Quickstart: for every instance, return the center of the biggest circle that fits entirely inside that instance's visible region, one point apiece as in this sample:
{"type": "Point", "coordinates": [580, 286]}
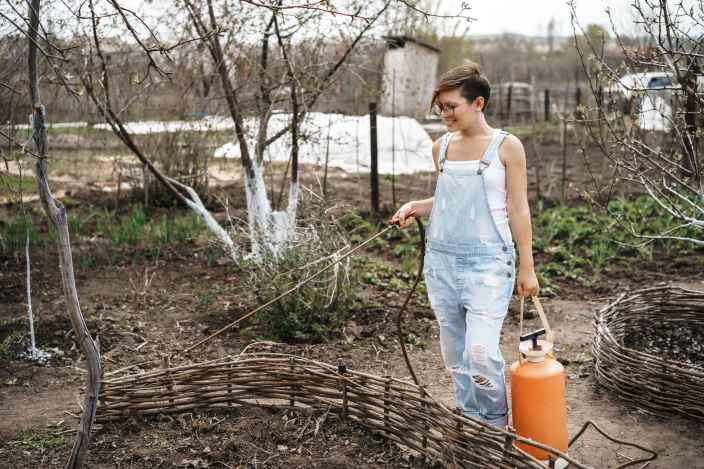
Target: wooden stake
{"type": "Point", "coordinates": [374, 173]}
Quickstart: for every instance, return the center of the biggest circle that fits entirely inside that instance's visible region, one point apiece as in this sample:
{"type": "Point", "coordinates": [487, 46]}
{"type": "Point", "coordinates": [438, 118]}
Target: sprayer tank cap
{"type": "Point", "coordinates": [535, 355]}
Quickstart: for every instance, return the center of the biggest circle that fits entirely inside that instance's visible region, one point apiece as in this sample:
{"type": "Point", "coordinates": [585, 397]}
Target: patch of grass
{"type": "Point", "coordinates": [69, 202]}
{"type": "Point", "coordinates": [125, 231]}
{"type": "Point", "coordinates": [31, 439]}
{"type": "Point", "coordinates": [13, 233]}
{"type": "Point", "coordinates": [170, 230]}
{"type": "Point", "coordinates": [212, 254]}
{"type": "Point", "coordinates": [542, 127]}
{"type": "Point", "coordinates": [135, 235]}
{"type": "Point", "coordinates": [520, 131]}
{"type": "Point", "coordinates": [75, 226]}
{"type": "Point", "coordinates": [11, 184]}
{"type": "Point", "coordinates": [136, 229]}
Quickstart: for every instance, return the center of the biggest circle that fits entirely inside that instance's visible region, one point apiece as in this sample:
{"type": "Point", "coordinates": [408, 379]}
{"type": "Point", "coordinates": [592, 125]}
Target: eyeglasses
{"type": "Point", "coordinates": [449, 109]}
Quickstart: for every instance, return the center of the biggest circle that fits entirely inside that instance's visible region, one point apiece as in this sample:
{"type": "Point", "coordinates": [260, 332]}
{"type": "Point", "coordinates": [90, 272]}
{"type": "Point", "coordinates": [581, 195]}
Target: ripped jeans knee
{"type": "Point", "coordinates": [477, 371]}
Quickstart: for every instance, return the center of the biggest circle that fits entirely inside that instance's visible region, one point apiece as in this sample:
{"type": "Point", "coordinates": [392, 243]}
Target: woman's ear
{"type": "Point", "coordinates": [479, 103]}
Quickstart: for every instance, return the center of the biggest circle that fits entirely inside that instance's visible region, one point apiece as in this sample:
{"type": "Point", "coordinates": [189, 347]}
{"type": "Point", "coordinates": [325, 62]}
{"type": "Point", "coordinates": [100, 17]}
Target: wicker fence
{"type": "Point", "coordinates": [402, 412]}
{"type": "Point", "coordinates": [653, 383]}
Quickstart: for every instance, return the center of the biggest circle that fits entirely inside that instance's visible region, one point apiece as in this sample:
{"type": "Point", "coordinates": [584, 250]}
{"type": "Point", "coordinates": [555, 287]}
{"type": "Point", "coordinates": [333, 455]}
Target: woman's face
{"type": "Point", "coordinates": [456, 111]}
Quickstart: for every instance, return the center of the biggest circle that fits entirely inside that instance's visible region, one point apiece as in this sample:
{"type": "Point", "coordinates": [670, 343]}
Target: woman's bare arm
{"type": "Point", "coordinates": [513, 157]}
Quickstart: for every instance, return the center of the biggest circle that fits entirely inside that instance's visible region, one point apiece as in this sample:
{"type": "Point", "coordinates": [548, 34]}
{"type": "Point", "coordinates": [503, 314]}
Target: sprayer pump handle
{"type": "Point", "coordinates": [533, 336]}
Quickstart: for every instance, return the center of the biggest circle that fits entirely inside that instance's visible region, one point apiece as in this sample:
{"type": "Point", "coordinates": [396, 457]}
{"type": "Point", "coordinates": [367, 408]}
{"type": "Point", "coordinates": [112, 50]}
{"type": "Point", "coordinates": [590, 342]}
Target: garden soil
{"type": "Point", "coordinates": [141, 311]}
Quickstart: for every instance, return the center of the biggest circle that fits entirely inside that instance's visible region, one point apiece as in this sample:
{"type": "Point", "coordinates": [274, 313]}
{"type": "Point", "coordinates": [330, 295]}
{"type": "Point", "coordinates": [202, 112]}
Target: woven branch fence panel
{"type": "Point", "coordinates": [400, 411]}
{"type": "Point", "coordinates": [655, 384]}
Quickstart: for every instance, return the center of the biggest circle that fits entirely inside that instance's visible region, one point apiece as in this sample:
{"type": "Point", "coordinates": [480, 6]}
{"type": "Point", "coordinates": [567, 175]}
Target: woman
{"type": "Point", "coordinates": [470, 259]}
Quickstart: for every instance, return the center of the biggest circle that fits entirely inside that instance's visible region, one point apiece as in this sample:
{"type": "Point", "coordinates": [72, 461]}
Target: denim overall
{"type": "Point", "coordinates": [469, 273]}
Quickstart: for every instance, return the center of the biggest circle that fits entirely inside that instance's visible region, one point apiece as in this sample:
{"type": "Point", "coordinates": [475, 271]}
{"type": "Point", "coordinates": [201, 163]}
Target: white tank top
{"type": "Point", "coordinates": [495, 180]}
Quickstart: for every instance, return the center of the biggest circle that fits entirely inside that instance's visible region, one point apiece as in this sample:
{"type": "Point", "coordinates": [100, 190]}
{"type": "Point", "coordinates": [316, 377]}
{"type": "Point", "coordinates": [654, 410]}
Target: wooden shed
{"type": "Point", "coordinates": [409, 77]}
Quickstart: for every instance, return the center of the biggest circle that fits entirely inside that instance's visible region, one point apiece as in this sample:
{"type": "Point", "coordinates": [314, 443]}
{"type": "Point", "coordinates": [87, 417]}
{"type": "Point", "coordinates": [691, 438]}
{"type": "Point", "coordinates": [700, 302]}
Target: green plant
{"type": "Point", "coordinates": [70, 202]}
{"type": "Point", "coordinates": [396, 284]}
{"type": "Point", "coordinates": [203, 297]}
{"type": "Point", "coordinates": [11, 344]}
{"type": "Point", "coordinates": [76, 225]}
{"type": "Point", "coordinates": [409, 265]}
{"type": "Point", "coordinates": [371, 278]}
{"type": "Point", "coordinates": [13, 233]}
{"type": "Point", "coordinates": [125, 231]}
{"type": "Point", "coordinates": [86, 261]}
{"type": "Point", "coordinates": [580, 241]}
{"type": "Point", "coordinates": [170, 230]}
{"type": "Point", "coordinates": [30, 439]}
{"type": "Point", "coordinates": [413, 341]}
{"type": "Point", "coordinates": [358, 228]}
{"type": "Point", "coordinates": [11, 185]}
{"type": "Point", "coordinates": [212, 254]}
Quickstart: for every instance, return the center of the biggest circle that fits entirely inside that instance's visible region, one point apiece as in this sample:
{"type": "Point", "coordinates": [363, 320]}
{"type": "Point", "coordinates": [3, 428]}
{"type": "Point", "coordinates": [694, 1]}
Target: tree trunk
{"type": "Point", "coordinates": [57, 214]}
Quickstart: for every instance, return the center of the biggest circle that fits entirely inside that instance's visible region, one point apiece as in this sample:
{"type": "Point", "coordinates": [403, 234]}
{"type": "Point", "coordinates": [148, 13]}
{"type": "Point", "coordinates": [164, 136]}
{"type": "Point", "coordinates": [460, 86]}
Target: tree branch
{"type": "Point", "coordinates": [327, 77]}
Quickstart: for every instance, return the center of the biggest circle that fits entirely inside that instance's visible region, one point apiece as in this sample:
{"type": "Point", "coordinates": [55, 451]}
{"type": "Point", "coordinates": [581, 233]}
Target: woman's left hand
{"type": "Point", "coordinates": [527, 282]}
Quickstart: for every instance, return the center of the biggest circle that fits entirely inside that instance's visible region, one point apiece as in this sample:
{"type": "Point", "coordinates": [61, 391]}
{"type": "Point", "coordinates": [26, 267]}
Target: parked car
{"type": "Point", "coordinates": [627, 93]}
{"type": "Point", "coordinates": [632, 83]}
{"type": "Point", "coordinates": [635, 83]}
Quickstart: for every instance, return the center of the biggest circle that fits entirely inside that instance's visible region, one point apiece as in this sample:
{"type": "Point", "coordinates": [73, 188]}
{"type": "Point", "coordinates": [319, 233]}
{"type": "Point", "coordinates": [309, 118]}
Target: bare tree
{"type": "Point", "coordinates": [270, 229]}
{"type": "Point", "coordinates": [647, 125]}
{"type": "Point", "coordinates": [57, 214]}
{"type": "Point", "coordinates": [251, 86]}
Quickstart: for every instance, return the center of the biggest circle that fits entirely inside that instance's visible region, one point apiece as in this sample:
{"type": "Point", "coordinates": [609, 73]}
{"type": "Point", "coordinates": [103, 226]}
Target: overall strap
{"type": "Point", "coordinates": [444, 143]}
{"type": "Point", "coordinates": [488, 157]}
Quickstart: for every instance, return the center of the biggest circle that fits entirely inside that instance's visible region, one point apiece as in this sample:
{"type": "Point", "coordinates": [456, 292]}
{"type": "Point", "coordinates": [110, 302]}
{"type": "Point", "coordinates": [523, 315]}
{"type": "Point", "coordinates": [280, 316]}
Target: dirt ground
{"type": "Point", "coordinates": [138, 320]}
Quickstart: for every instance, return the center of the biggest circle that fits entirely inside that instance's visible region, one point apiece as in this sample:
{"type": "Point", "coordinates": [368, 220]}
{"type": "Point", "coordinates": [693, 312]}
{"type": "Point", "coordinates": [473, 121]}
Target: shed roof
{"type": "Point", "coordinates": [394, 42]}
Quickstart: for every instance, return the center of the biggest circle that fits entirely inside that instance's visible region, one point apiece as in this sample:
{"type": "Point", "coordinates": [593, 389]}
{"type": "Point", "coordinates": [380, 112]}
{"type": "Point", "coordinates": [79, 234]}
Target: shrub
{"type": "Point", "coordinates": [310, 313]}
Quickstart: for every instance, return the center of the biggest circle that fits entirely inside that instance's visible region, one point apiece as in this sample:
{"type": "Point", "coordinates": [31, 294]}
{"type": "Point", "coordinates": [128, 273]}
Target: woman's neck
{"type": "Point", "coordinates": [480, 127]}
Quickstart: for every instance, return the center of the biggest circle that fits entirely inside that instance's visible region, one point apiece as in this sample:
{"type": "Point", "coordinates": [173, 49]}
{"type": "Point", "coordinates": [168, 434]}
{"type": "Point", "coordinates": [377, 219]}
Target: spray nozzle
{"type": "Point", "coordinates": [533, 337]}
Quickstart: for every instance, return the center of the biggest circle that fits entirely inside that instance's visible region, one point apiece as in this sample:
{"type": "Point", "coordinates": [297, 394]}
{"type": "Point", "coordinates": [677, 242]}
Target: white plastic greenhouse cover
{"type": "Point", "coordinates": [349, 143]}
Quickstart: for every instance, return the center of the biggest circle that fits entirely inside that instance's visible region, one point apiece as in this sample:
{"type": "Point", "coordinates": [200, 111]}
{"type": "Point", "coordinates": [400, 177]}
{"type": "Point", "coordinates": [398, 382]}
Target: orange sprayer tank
{"type": "Point", "coordinates": [538, 401]}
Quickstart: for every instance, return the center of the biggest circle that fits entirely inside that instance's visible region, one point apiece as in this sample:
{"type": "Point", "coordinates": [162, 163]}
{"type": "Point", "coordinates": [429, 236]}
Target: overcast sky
{"type": "Point", "coordinates": [532, 16]}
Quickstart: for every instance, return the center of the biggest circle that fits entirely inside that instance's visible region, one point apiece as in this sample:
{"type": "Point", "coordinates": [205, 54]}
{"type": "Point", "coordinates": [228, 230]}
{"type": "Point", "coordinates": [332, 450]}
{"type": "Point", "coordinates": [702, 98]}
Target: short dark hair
{"type": "Point", "coordinates": [468, 78]}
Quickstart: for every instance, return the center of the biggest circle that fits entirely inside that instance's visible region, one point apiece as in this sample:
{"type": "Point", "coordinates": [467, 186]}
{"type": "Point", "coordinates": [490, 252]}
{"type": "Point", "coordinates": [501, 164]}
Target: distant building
{"type": "Point", "coordinates": [409, 76]}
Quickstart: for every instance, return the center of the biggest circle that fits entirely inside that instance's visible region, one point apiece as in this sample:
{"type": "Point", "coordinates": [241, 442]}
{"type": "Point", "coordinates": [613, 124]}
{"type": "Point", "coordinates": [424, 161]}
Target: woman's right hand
{"type": "Point", "coordinates": [404, 216]}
